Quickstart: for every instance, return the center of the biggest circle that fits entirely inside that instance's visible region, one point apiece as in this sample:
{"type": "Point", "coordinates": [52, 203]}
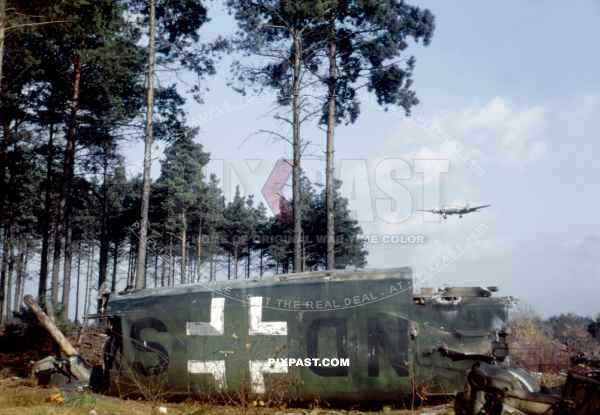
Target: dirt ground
{"type": "Point", "coordinates": [20, 397]}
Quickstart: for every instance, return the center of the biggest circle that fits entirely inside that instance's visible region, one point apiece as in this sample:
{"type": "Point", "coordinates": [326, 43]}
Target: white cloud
{"type": "Point", "coordinates": [493, 113]}
{"type": "Point", "coordinates": [499, 130]}
{"type": "Point", "coordinates": [537, 151]}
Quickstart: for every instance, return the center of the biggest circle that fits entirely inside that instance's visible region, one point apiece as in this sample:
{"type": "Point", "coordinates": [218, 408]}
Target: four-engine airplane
{"type": "Point", "coordinates": [444, 211]}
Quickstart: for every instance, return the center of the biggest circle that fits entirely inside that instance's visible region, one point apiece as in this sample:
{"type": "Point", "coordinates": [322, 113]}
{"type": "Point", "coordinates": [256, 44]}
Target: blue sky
{"type": "Point", "coordinates": [516, 83]}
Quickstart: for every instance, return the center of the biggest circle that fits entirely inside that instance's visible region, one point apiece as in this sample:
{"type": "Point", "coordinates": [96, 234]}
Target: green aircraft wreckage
{"type": "Point", "coordinates": [345, 335]}
{"type": "Point", "coordinates": [334, 336]}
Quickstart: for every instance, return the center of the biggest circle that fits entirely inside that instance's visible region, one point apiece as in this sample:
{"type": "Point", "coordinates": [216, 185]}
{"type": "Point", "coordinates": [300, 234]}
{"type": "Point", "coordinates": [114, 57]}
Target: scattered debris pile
{"type": "Point", "coordinates": [72, 365]}
{"type": "Point", "coordinates": [28, 344]}
{"type": "Point", "coordinates": [495, 389]}
{"type": "Point", "coordinates": [22, 342]}
{"type": "Point", "coordinates": [89, 341]}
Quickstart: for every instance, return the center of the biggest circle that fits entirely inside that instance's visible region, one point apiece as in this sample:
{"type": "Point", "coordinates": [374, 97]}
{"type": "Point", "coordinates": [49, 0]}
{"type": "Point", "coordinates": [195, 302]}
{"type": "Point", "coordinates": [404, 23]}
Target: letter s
{"type": "Point", "coordinates": [161, 353]}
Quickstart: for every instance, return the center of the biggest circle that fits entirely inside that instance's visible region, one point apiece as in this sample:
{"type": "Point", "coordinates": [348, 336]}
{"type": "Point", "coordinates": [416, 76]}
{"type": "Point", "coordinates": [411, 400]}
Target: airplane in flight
{"type": "Point", "coordinates": [444, 211]}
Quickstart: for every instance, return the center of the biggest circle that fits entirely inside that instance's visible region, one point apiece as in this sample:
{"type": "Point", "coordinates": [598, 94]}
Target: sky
{"type": "Point", "coordinates": [515, 86]}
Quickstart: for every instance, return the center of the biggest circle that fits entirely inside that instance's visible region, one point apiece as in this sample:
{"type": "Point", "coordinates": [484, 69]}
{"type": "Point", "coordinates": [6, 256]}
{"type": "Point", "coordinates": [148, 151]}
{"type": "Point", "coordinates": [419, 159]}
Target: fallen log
{"type": "Point", "coordinates": [77, 366]}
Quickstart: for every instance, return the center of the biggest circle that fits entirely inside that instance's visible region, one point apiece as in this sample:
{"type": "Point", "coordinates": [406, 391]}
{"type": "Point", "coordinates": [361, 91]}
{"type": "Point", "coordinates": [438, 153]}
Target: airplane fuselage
{"type": "Point", "coordinates": [224, 337]}
{"type": "Point", "coordinates": [460, 211]}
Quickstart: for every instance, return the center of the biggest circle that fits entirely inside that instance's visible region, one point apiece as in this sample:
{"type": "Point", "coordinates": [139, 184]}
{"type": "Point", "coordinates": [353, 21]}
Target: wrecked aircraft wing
{"type": "Point", "coordinates": [224, 337]}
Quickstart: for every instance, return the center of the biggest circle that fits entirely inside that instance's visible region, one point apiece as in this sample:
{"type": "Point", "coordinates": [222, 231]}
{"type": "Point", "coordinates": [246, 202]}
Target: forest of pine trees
{"type": "Point", "coordinates": [77, 80]}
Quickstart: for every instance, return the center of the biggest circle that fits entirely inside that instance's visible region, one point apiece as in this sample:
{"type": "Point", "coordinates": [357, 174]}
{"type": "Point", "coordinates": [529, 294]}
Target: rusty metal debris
{"type": "Point", "coordinates": [495, 389]}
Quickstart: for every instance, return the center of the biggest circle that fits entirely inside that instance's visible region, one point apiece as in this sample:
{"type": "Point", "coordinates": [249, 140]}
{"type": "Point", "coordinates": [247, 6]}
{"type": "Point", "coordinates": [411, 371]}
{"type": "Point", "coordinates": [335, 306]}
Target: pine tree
{"type": "Point", "coordinates": [172, 29]}
{"type": "Point", "coordinates": [181, 183]}
{"type": "Point", "coordinates": [212, 219]}
{"type": "Point", "coordinates": [364, 44]}
{"type": "Point", "coordinates": [237, 230]}
{"type": "Point", "coordinates": [278, 31]}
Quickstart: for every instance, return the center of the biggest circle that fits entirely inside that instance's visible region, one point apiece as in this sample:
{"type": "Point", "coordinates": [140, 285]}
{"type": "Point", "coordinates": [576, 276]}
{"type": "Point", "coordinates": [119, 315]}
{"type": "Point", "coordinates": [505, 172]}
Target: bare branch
{"type": "Point", "coordinates": [280, 118]}
{"type": "Point", "coordinates": [275, 134]}
{"type": "Point", "coordinates": [34, 24]}
{"type": "Point", "coordinates": [310, 115]}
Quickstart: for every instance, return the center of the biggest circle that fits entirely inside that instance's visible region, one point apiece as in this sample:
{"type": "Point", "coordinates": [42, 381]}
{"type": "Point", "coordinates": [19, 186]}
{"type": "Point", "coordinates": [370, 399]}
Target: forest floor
{"type": "Point", "coordinates": [21, 397]}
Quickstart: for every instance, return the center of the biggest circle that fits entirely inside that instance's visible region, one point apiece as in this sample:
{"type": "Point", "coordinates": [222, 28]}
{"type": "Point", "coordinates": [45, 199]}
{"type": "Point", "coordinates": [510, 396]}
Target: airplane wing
{"type": "Point", "coordinates": [474, 208]}
{"type": "Point", "coordinates": [428, 210]}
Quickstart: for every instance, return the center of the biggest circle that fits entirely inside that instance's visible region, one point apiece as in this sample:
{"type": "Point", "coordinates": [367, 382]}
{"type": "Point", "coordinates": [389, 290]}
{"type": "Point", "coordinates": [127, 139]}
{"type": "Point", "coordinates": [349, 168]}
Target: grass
{"type": "Point", "coordinates": [20, 397]}
{"type": "Point", "coordinates": [28, 400]}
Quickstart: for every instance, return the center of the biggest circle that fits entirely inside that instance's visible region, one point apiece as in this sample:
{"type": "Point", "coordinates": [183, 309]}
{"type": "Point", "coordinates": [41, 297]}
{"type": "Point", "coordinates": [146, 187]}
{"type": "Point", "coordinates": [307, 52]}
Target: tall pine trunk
{"type": "Point", "coordinates": [248, 261]}
{"type": "Point", "coordinates": [262, 252]}
{"type": "Point", "coordinates": [140, 280]}
{"type": "Point", "coordinates": [171, 263]}
{"type": "Point", "coordinates": [88, 285]}
{"type": "Point", "coordinates": [296, 150]}
{"type": "Point", "coordinates": [113, 284]}
{"type": "Point", "coordinates": [67, 269]}
{"type": "Point", "coordinates": [66, 182]}
{"type": "Point", "coordinates": [9, 283]}
{"type": "Point", "coordinates": [78, 282]}
{"type": "Point", "coordinates": [198, 266]}
{"type": "Point", "coordinates": [8, 245]}
{"type": "Point", "coordinates": [228, 265]}
{"type": "Point", "coordinates": [6, 252]}
{"type": "Point", "coordinates": [236, 259]}
{"type": "Point", "coordinates": [131, 264]}
{"type": "Point", "coordinates": [155, 271]}
{"type": "Point", "coordinates": [2, 147]}
{"type": "Point", "coordinates": [211, 254]}
{"type": "Point", "coordinates": [183, 278]}
{"type": "Point", "coordinates": [24, 264]}
{"type": "Point", "coordinates": [21, 267]}
{"type": "Point", "coordinates": [104, 237]}
{"type": "Point", "coordinates": [8, 263]}
{"type": "Point", "coordinates": [329, 170]}
{"type": "Point", "coordinates": [211, 265]}
{"type": "Point", "coordinates": [2, 36]}
{"type": "Point", "coordinates": [46, 221]}
{"type": "Point", "coordinates": [163, 271]}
